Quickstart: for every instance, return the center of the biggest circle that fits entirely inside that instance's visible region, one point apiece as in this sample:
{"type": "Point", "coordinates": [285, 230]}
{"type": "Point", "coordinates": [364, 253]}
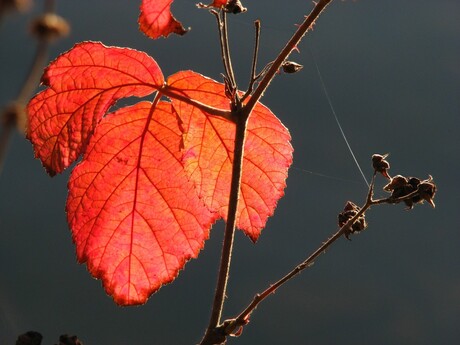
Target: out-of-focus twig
{"type": "Point", "coordinates": [46, 28]}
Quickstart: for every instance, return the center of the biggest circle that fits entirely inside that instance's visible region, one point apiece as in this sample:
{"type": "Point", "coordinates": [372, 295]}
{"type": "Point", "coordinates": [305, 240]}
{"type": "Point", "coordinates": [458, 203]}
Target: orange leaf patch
{"type": "Point", "coordinates": [83, 84]}
{"type": "Point", "coordinates": [208, 146]}
{"type": "Point", "coordinates": [135, 217]}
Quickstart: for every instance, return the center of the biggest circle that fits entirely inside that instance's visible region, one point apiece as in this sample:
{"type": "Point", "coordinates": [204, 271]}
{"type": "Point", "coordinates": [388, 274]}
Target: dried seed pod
{"type": "Point", "coordinates": [396, 182]}
{"type": "Point", "coordinates": [29, 338]}
{"type": "Point", "coordinates": [49, 26]}
{"type": "Point", "coordinates": [401, 186]}
{"type": "Point", "coordinates": [381, 165]}
{"type": "Point", "coordinates": [349, 211]}
{"type": "Point", "coordinates": [427, 190]}
{"type": "Point", "coordinates": [291, 67]}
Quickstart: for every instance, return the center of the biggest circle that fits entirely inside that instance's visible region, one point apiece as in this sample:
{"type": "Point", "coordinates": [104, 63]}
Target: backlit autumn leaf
{"type": "Point", "coordinates": [208, 153]}
{"type": "Point", "coordinates": [135, 217]}
{"type": "Point", "coordinates": [83, 84]}
{"type": "Point", "coordinates": [154, 176]}
{"type": "Point", "coordinates": [156, 20]}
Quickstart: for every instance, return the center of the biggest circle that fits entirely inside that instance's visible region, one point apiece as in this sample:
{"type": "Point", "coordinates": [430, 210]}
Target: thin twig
{"type": "Point", "coordinates": [228, 58]}
{"type": "Point", "coordinates": [221, 40]}
{"type": "Point", "coordinates": [254, 77]}
{"type": "Point", "coordinates": [232, 326]}
{"type": "Point", "coordinates": [36, 70]}
{"type": "Point", "coordinates": [242, 318]}
{"type": "Point", "coordinates": [229, 76]}
{"type": "Point", "coordinates": [17, 108]}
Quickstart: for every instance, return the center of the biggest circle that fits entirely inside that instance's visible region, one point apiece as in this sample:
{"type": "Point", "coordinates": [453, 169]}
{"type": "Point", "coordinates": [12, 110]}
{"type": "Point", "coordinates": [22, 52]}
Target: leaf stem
{"type": "Point", "coordinates": [172, 92]}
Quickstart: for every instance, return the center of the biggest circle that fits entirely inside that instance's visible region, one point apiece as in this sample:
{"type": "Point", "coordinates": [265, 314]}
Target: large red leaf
{"type": "Point", "coordinates": [83, 84]}
{"type": "Point", "coordinates": [156, 20]}
{"type": "Point", "coordinates": [135, 217]}
{"type": "Point", "coordinates": [208, 153]}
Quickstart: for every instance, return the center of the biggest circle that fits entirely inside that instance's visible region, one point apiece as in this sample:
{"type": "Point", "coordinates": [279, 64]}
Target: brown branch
{"type": "Point", "coordinates": [213, 335]}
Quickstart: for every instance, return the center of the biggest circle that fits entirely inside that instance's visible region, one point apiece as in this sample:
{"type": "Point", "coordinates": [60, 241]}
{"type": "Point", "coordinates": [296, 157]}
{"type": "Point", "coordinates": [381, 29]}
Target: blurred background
{"type": "Point", "coordinates": [392, 71]}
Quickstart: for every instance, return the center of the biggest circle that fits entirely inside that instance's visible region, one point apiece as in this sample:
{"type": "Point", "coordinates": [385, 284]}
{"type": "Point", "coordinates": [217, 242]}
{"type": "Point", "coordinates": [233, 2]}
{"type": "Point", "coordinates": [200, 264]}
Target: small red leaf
{"type": "Point", "coordinates": [134, 215]}
{"type": "Point", "coordinates": [208, 147]}
{"type": "Point", "coordinates": [156, 19]}
{"type": "Point", "coordinates": [83, 84]}
{"type": "Point", "coordinates": [218, 3]}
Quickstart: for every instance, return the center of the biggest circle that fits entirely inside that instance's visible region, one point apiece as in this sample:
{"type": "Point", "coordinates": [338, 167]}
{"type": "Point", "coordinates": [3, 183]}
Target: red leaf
{"type": "Point", "coordinates": [156, 19]}
{"type": "Point", "coordinates": [134, 215]}
{"type": "Point", "coordinates": [218, 3]}
{"type": "Point", "coordinates": [208, 147]}
{"type": "Point", "coordinates": [83, 84]}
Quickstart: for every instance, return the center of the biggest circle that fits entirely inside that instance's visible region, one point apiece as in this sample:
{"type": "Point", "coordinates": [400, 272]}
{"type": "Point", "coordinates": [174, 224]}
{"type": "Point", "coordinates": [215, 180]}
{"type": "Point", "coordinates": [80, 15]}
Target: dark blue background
{"type": "Point", "coordinates": [392, 70]}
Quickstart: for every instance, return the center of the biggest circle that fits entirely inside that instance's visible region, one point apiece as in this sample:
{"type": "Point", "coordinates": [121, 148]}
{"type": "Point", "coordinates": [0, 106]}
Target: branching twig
{"type": "Point", "coordinates": [235, 325]}
{"type": "Point", "coordinates": [215, 333]}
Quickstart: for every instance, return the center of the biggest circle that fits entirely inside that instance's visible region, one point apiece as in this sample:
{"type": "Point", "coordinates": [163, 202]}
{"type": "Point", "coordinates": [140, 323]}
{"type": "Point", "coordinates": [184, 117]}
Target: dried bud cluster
{"type": "Point", "coordinates": [410, 190]}
{"type": "Point", "coordinates": [401, 186]}
{"type": "Point", "coordinates": [291, 67]}
{"type": "Point", "coordinates": [14, 115]}
{"type": "Point", "coordinates": [29, 338]}
{"type": "Point", "coordinates": [381, 165]}
{"type": "Point", "coordinates": [349, 211]}
{"type": "Point", "coordinates": [49, 26]}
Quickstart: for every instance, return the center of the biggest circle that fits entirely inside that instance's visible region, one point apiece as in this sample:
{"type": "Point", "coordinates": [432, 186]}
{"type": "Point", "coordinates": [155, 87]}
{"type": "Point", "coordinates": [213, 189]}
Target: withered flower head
{"type": "Point", "coordinates": [49, 27]}
{"type": "Point", "coordinates": [427, 190]}
{"type": "Point", "coordinates": [396, 182]}
{"type": "Point", "coordinates": [349, 211]}
{"type": "Point", "coordinates": [380, 164]}
{"type": "Point", "coordinates": [419, 191]}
